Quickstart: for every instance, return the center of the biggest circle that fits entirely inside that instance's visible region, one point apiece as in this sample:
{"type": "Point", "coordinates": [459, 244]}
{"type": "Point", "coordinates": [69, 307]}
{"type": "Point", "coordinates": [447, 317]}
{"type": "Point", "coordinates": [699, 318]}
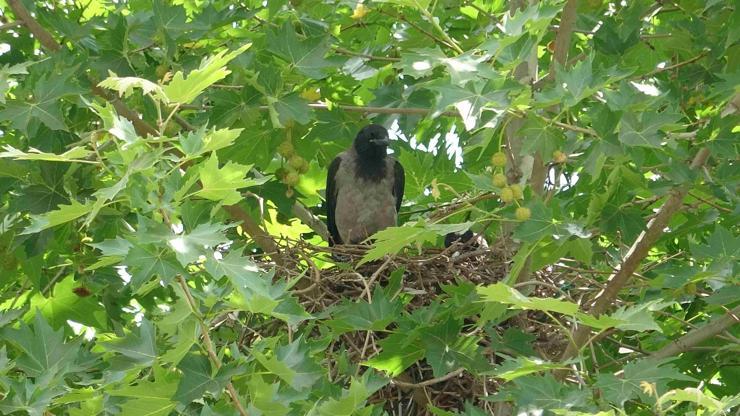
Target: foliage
{"type": "Point", "coordinates": [122, 257]}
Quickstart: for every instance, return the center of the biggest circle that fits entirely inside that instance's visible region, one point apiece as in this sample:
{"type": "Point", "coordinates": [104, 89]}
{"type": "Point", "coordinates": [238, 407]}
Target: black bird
{"type": "Point", "coordinates": [364, 188]}
{"type": "Point", "coordinates": [466, 239]}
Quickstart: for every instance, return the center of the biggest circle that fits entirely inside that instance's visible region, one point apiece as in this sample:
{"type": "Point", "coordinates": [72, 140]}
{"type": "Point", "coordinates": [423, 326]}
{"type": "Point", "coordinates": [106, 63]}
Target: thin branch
{"type": "Point", "coordinates": [428, 382]}
{"type": "Point", "coordinates": [314, 222]}
{"type": "Point", "coordinates": [710, 203]}
{"type": "Point", "coordinates": [417, 27]}
{"type": "Point", "coordinates": [44, 37]}
{"type": "Point", "coordinates": [697, 336]}
{"type": "Point", "coordinates": [11, 25]}
{"type": "Point", "coordinates": [209, 344]}
{"type": "Point", "coordinates": [639, 250]}
{"type": "Point", "coordinates": [671, 68]}
{"type": "Point", "coordinates": [343, 51]}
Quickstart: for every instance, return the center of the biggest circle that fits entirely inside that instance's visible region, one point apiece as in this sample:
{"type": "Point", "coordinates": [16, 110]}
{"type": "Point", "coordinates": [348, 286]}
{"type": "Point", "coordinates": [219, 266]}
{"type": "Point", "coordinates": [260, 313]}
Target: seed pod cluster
{"type": "Point", "coordinates": [293, 168]}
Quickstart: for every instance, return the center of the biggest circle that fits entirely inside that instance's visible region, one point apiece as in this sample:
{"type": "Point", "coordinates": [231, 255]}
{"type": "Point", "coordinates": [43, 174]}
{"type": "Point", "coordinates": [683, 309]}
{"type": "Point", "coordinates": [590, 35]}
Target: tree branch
{"type": "Point", "coordinates": [670, 68]}
{"type": "Point", "coordinates": [208, 344]}
{"type": "Point", "coordinates": [639, 250]}
{"type": "Point", "coordinates": [430, 381]}
{"type": "Point", "coordinates": [697, 336]}
{"type": "Point", "coordinates": [10, 25]}
{"type": "Point", "coordinates": [565, 32]}
{"type": "Point", "coordinates": [343, 51]}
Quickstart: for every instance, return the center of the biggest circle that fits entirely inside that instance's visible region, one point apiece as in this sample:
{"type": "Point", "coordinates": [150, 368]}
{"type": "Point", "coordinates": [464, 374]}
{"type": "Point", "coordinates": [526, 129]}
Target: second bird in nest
{"type": "Point", "coordinates": [364, 188]}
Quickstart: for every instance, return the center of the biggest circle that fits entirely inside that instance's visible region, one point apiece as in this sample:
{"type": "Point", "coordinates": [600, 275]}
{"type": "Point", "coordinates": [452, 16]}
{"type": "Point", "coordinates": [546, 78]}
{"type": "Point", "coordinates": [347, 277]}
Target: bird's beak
{"type": "Point", "coordinates": [379, 142]}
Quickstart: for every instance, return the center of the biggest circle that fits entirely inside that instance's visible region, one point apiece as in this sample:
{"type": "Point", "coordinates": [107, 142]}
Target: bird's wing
{"type": "Point", "coordinates": [331, 202]}
{"type": "Point", "coordinates": [398, 184]}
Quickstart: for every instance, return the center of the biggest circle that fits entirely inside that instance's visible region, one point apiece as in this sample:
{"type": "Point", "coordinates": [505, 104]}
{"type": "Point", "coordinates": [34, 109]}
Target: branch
{"type": "Point", "coordinates": [697, 336]}
{"type": "Point", "coordinates": [260, 236]}
{"type": "Point", "coordinates": [44, 37]}
{"type": "Point", "coordinates": [565, 32]}
{"type": "Point", "coordinates": [430, 381]}
{"type": "Point", "coordinates": [639, 250]}
{"type": "Point", "coordinates": [670, 68]}
{"type": "Point", "coordinates": [311, 220]}
{"type": "Point", "coordinates": [343, 51]}
{"type": "Point", "coordinates": [208, 344]}
{"type": "Point", "coordinates": [11, 25]}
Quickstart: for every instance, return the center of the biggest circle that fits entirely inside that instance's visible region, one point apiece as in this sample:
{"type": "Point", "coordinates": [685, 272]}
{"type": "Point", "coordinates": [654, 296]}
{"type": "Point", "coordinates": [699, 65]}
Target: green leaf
{"type": "Point", "coordinates": [306, 55]}
{"type": "Point", "coordinates": [447, 350]}
{"type": "Point", "coordinates": [43, 105]}
{"type": "Point", "coordinates": [292, 364]}
{"type": "Point", "coordinates": [62, 215]}
{"type": "Point", "coordinates": [138, 347]}
{"type": "Point", "coordinates": [44, 352]}
{"type": "Point", "coordinates": [361, 315]}
{"type": "Point", "coordinates": [499, 292]}
{"type": "Point", "coordinates": [470, 100]}
{"type": "Point", "coordinates": [221, 184]}
{"type": "Point", "coordinates": [399, 352]}
{"type": "Point", "coordinates": [642, 130]}
{"type": "Point", "coordinates": [620, 389]}
{"type": "Point", "coordinates": [151, 398]}
{"type": "Point", "coordinates": [292, 108]}
{"type": "Point", "coordinates": [414, 4]}
{"type": "Point", "coordinates": [183, 90]}
{"type": "Point", "coordinates": [76, 154]}
{"type": "Point", "coordinates": [514, 368]}
{"type": "Point", "coordinates": [202, 141]}
{"type": "Point", "coordinates": [189, 247]}
{"type": "Point", "coordinates": [146, 262]}
{"type": "Point", "coordinates": [197, 378]}
{"type": "Point", "coordinates": [125, 86]}
{"type": "Point", "coordinates": [64, 304]}
{"type": "Point", "coordinates": [6, 73]}
{"type": "Point", "coordinates": [544, 392]}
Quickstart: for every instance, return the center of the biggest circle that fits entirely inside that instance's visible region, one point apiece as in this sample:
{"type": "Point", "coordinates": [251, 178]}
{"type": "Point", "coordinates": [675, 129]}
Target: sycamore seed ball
{"type": "Point", "coordinates": [289, 193]}
{"type": "Point", "coordinates": [516, 189]}
{"type": "Point", "coordinates": [559, 157]}
{"type": "Point", "coordinates": [507, 195]}
{"type": "Point", "coordinates": [498, 159]}
{"type": "Point", "coordinates": [286, 149]}
{"type": "Point", "coordinates": [499, 180]}
{"type": "Point", "coordinates": [296, 162]}
{"type": "Point", "coordinates": [303, 168]}
{"type": "Point", "coordinates": [523, 213]}
{"type": "Point", "coordinates": [291, 178]}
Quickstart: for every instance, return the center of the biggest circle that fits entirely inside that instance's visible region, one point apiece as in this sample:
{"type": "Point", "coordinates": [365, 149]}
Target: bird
{"type": "Point", "coordinates": [468, 241]}
{"type": "Point", "coordinates": [364, 188]}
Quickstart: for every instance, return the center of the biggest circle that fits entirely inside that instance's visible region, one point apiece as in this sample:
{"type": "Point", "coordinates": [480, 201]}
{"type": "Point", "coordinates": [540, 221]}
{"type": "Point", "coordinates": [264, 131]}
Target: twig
{"type": "Point", "coordinates": [670, 68]}
{"type": "Point", "coordinates": [710, 203]}
{"type": "Point", "coordinates": [428, 382]}
{"type": "Point", "coordinates": [417, 27]}
{"type": "Point", "coordinates": [209, 344]}
{"type": "Point", "coordinates": [696, 336]}
{"type": "Point", "coordinates": [11, 25]}
{"type": "Point", "coordinates": [375, 277]}
{"type": "Point", "coordinates": [343, 51]}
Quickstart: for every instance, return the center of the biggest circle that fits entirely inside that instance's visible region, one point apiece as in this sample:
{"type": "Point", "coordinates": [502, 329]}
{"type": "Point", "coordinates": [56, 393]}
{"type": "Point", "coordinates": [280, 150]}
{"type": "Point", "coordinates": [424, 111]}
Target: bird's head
{"type": "Point", "coordinates": [372, 142]}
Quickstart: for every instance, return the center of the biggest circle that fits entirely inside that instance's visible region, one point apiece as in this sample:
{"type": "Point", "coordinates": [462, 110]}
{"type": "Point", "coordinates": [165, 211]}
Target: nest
{"type": "Point", "coordinates": [425, 274]}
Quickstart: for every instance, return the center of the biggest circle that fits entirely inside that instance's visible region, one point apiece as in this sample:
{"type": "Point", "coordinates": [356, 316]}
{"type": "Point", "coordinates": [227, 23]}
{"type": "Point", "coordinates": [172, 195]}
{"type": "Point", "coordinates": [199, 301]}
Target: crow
{"type": "Point", "coordinates": [364, 188]}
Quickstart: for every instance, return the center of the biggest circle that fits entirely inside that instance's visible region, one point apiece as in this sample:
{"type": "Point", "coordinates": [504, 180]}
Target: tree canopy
{"type": "Point", "coordinates": [162, 169]}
